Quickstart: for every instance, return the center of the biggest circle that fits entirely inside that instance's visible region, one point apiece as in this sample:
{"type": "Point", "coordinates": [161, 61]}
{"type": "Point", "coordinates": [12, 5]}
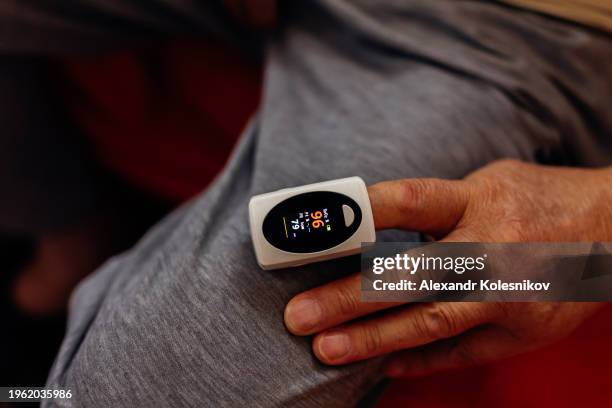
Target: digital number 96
{"type": "Point", "coordinates": [318, 222]}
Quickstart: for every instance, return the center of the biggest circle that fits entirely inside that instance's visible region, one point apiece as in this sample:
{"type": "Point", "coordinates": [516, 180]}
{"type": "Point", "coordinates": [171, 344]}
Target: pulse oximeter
{"type": "Point", "coordinates": [312, 223]}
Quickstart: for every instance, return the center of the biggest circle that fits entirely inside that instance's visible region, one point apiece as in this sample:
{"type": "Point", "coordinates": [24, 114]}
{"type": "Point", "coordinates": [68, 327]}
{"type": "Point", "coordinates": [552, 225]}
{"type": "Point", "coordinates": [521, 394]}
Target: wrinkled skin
{"type": "Point", "coordinates": [507, 201]}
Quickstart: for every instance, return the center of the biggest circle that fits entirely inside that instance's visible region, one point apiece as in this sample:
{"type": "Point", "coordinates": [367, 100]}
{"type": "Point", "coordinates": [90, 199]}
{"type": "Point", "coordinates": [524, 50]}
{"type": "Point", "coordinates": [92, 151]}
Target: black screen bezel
{"type": "Point", "coordinates": [310, 200]}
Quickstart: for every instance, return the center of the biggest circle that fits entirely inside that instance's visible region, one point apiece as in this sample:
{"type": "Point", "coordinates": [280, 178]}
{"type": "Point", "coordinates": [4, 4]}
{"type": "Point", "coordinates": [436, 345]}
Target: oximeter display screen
{"type": "Point", "coordinates": [308, 221]}
{"type": "Point", "coordinates": [312, 222]}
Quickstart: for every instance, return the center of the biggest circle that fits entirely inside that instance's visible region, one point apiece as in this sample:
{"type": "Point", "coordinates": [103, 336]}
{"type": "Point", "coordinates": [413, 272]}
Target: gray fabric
{"type": "Point", "coordinates": [377, 89]}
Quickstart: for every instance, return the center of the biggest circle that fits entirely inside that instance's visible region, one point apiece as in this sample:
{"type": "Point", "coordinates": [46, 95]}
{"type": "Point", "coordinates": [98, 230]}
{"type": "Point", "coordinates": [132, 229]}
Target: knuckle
{"type": "Point", "coordinates": [347, 301]}
{"type": "Point", "coordinates": [412, 194]}
{"type": "Point", "coordinates": [372, 342]}
{"type": "Point", "coordinates": [436, 322]}
{"type": "Point", "coordinates": [416, 194]}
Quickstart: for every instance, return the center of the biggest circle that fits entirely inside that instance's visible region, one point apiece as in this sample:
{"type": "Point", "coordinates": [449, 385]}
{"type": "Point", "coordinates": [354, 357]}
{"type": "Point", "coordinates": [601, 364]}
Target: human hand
{"type": "Point", "coordinates": [507, 201]}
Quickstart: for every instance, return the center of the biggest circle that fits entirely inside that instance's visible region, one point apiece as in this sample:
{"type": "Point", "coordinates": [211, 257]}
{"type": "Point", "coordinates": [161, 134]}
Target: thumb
{"type": "Point", "coordinates": [432, 206]}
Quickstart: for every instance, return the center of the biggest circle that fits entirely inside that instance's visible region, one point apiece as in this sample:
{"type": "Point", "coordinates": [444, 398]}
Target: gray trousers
{"type": "Point", "coordinates": [377, 89]}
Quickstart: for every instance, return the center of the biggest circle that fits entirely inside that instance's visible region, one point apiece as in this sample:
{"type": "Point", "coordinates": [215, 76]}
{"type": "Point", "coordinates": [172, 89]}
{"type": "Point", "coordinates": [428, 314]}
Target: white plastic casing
{"type": "Point", "coordinates": [270, 257]}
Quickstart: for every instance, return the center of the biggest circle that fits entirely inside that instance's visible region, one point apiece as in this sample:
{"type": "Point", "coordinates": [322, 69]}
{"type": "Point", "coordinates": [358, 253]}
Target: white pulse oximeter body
{"type": "Point", "coordinates": [312, 223]}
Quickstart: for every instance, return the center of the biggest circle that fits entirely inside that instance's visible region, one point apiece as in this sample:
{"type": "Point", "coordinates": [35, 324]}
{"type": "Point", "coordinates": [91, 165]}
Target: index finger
{"type": "Point", "coordinates": [329, 305]}
{"type": "Point", "coordinates": [432, 206]}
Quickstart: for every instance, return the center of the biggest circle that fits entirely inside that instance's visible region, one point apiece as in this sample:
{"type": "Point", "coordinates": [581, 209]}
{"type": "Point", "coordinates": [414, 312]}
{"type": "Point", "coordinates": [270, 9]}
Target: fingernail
{"type": "Point", "coordinates": [303, 315]}
{"type": "Point", "coordinates": [335, 346]}
{"type": "Point", "coordinates": [395, 369]}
